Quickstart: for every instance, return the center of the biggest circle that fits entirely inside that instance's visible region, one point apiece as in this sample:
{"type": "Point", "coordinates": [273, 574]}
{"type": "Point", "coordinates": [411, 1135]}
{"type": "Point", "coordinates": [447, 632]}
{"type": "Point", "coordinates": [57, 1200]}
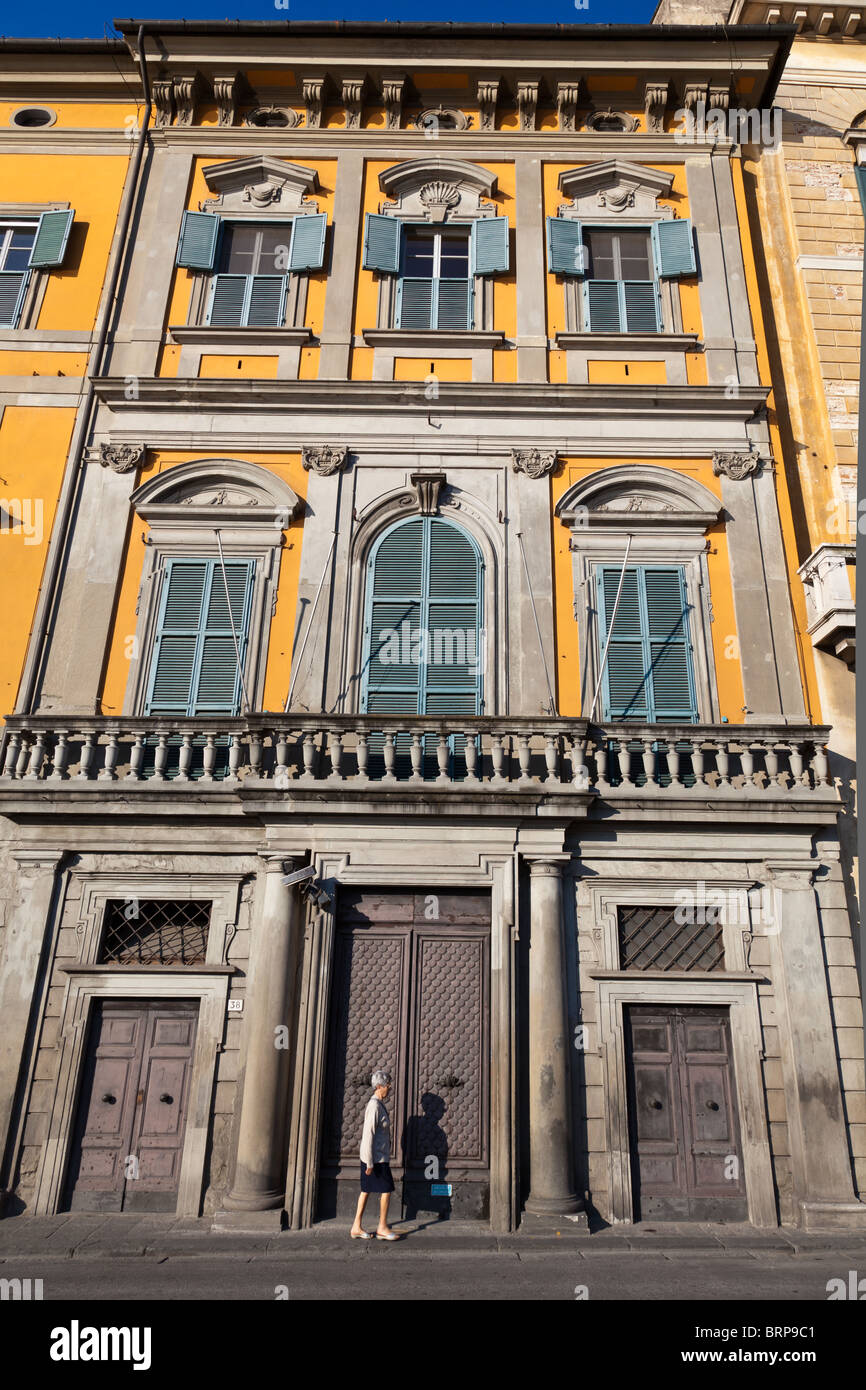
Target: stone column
{"type": "Point", "coordinates": [531, 281]}
{"type": "Point", "coordinates": [260, 1170]}
{"type": "Point", "coordinates": [823, 1186]}
{"type": "Point", "coordinates": [26, 931]}
{"type": "Point", "coordinates": [336, 335]}
{"type": "Point", "coordinates": [551, 1188]}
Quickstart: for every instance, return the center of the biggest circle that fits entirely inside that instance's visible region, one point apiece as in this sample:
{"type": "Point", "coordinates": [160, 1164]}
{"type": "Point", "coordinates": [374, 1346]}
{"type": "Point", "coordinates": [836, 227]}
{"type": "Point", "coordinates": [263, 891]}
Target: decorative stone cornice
{"type": "Point", "coordinates": [187, 91]}
{"type": "Point", "coordinates": [533, 462]}
{"type": "Point", "coordinates": [736, 466]}
{"type": "Point", "coordinates": [353, 96]}
{"type": "Point", "coordinates": [427, 488]}
{"type": "Point", "coordinates": [121, 458]}
{"type": "Point", "coordinates": [655, 101]}
{"type": "Point", "coordinates": [392, 94]}
{"type": "Point", "coordinates": [488, 95]}
{"type": "Point", "coordinates": [163, 100]}
{"type": "Point", "coordinates": [226, 91]}
{"type": "Point", "coordinates": [693, 93]}
{"type": "Point", "coordinates": [324, 459]}
{"type": "Point", "coordinates": [567, 98]}
{"type": "Point", "coordinates": [313, 90]}
{"type": "Point", "coordinates": [720, 98]}
{"type": "Point", "coordinates": [527, 102]}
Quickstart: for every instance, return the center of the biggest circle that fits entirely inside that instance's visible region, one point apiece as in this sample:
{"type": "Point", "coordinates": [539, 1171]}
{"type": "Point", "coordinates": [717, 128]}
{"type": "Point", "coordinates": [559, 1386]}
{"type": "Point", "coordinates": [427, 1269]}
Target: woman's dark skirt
{"type": "Point", "coordinates": [380, 1179]}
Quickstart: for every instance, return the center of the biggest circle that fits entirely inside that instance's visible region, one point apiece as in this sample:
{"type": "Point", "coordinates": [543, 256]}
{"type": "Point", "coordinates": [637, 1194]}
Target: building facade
{"type": "Point", "coordinates": [428, 527]}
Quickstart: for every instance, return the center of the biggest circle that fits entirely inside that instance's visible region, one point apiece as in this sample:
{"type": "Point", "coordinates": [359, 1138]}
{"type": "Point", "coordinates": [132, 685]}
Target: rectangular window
{"type": "Point", "coordinates": [648, 674]}
{"type": "Point", "coordinates": [435, 285]}
{"type": "Point", "coordinates": [249, 289]}
{"type": "Point", "coordinates": [16, 244]}
{"type": "Point", "coordinates": [670, 938]}
{"type": "Point", "coordinates": [195, 666]}
{"type": "Point", "coordinates": [620, 289]}
{"type": "Point", "coordinates": [154, 931]}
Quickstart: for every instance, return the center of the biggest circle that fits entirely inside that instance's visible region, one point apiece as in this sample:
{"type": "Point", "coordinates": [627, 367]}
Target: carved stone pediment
{"type": "Point", "coordinates": [438, 189]}
{"type": "Point", "coordinates": [215, 492]}
{"type": "Point", "coordinates": [637, 495]}
{"type": "Point", "coordinates": [246, 185]}
{"type": "Point", "coordinates": [615, 186]}
{"type": "Point", "coordinates": [635, 502]}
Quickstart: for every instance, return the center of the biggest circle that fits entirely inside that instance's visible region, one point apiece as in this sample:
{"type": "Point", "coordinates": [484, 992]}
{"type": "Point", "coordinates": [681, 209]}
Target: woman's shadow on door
{"type": "Point", "coordinates": [425, 1160]}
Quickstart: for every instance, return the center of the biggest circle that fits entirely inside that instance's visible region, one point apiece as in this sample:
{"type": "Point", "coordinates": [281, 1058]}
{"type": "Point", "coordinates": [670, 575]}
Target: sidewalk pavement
{"type": "Point", "coordinates": [74, 1235]}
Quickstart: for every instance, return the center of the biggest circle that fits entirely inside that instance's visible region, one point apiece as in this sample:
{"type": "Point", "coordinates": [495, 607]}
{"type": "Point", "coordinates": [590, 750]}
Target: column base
{"type": "Point", "coordinates": [248, 1222]}
{"type": "Point", "coordinates": [565, 1205]}
{"type": "Point", "coordinates": [254, 1200]}
{"type": "Point", "coordinates": [832, 1216]}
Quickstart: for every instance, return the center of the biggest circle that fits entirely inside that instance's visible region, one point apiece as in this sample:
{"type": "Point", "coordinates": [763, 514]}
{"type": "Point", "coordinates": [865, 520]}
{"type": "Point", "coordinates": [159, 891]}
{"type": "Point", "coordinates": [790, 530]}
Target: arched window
{"type": "Point", "coordinates": [423, 635]}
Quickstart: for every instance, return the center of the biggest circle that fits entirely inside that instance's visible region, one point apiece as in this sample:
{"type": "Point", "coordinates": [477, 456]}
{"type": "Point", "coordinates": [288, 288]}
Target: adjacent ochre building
{"type": "Point", "coordinates": [426, 517]}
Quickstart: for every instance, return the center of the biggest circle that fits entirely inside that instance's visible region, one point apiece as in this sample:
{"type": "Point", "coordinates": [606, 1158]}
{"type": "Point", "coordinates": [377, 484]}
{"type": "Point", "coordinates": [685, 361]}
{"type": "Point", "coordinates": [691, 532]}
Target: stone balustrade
{"type": "Point", "coordinates": [364, 751]}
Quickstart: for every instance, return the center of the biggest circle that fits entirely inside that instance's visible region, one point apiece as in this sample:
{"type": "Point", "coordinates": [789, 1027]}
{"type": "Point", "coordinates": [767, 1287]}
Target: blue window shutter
{"type": "Point", "coordinates": [381, 243]}
{"type": "Point", "coordinates": [673, 248]}
{"type": "Point", "coordinates": [641, 306]}
{"type": "Point", "coordinates": [12, 286]}
{"type": "Point", "coordinates": [52, 236]}
{"type": "Point", "coordinates": [672, 677]}
{"type": "Point", "coordinates": [602, 306]}
{"type": "Point", "coordinates": [196, 249]}
{"type": "Point", "coordinates": [453, 304]}
{"type": "Point", "coordinates": [228, 300]}
{"type": "Point", "coordinates": [565, 254]}
{"type": "Point", "coordinates": [308, 242]}
{"type": "Point", "coordinates": [649, 673]}
{"type": "Point", "coordinates": [194, 668]}
{"type": "Point", "coordinates": [415, 304]}
{"type": "Point", "coordinates": [265, 304]}
{"type": "Point", "coordinates": [488, 246]}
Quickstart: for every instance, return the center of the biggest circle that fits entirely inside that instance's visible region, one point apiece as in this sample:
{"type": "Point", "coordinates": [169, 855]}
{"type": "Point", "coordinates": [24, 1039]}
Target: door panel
{"type": "Point", "coordinates": [131, 1115]}
{"type": "Point", "coordinates": [684, 1134]}
{"type": "Point", "coordinates": [410, 994]}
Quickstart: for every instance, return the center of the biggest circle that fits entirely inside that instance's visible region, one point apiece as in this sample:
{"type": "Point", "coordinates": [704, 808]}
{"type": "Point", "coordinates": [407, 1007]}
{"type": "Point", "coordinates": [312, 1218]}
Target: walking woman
{"type": "Point", "coordinates": [375, 1155]}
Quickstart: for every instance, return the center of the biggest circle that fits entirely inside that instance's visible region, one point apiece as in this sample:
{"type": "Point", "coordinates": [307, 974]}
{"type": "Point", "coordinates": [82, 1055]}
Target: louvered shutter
{"type": "Point", "coordinates": [488, 246]}
{"type": "Point", "coordinates": [624, 684]}
{"type": "Point", "coordinates": [415, 303]}
{"type": "Point", "coordinates": [602, 306]}
{"type": "Point", "coordinates": [673, 248]}
{"type": "Point", "coordinates": [308, 242]}
{"type": "Point", "coordinates": [196, 248]}
{"type": "Point", "coordinates": [381, 243]}
{"type": "Point", "coordinates": [176, 650]}
{"type": "Point", "coordinates": [395, 588]}
{"type": "Point", "coordinates": [565, 254]}
{"type": "Point", "coordinates": [453, 675]}
{"type": "Point", "coordinates": [218, 687]}
{"type": "Point", "coordinates": [641, 306]}
{"type": "Point", "coordinates": [671, 672]}
{"type": "Point", "coordinates": [52, 236]}
{"type": "Point", "coordinates": [12, 283]}
{"type": "Point", "coordinates": [228, 297]}
{"type": "Point", "coordinates": [265, 304]}
{"type": "Point", "coordinates": [453, 304]}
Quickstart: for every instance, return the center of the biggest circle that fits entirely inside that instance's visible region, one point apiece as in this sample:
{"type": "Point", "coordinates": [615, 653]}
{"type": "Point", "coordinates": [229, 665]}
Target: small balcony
{"type": "Point", "coordinates": [492, 764]}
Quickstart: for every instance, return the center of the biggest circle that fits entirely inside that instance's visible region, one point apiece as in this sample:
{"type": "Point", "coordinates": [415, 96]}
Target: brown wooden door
{"type": "Point", "coordinates": [683, 1125]}
{"type": "Point", "coordinates": [131, 1116]}
{"type": "Point", "coordinates": [410, 993]}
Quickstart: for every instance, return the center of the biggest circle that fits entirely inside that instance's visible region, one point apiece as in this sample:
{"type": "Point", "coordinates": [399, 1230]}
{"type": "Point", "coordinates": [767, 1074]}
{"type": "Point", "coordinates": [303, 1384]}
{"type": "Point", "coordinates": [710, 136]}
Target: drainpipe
{"type": "Point", "coordinates": [72, 475]}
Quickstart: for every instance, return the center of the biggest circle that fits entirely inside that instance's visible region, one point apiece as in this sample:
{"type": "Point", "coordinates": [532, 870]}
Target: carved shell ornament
{"type": "Point", "coordinates": [263, 194]}
{"type": "Point", "coordinates": [618, 199]}
{"type": "Point", "coordinates": [439, 194]}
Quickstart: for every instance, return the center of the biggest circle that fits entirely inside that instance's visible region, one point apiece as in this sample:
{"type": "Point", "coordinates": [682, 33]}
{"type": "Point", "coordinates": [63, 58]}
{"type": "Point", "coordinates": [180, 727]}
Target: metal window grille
{"type": "Point", "coordinates": [154, 931]}
{"type": "Point", "coordinates": [651, 938]}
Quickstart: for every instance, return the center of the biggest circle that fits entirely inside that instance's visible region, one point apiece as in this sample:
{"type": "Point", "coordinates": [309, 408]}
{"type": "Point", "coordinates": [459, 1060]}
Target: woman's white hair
{"type": "Point", "coordinates": [380, 1078]}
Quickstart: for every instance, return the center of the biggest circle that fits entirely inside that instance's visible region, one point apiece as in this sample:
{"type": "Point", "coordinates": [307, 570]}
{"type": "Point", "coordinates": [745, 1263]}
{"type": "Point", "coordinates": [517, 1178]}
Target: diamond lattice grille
{"type": "Point", "coordinates": [650, 938]}
{"type": "Point", "coordinates": [154, 931]}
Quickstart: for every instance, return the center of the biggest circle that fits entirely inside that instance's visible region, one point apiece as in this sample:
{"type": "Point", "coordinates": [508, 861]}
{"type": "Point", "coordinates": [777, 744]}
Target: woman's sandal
{"type": "Point", "coordinates": [361, 1235]}
{"type": "Point", "coordinates": [391, 1236]}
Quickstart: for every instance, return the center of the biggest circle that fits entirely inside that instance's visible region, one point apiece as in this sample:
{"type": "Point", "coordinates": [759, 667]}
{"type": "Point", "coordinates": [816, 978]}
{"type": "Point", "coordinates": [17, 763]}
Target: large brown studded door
{"type": "Point", "coordinates": [410, 994]}
{"type": "Point", "coordinates": [128, 1144]}
{"type": "Point", "coordinates": [684, 1133]}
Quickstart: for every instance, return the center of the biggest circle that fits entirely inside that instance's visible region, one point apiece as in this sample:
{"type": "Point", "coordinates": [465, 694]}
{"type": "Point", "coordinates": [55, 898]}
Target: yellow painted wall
{"type": "Point", "coordinates": [33, 447]}
{"type": "Point", "coordinates": [723, 628]}
{"type": "Point", "coordinates": [75, 115]}
{"type": "Point", "coordinates": [215, 365]}
{"type": "Point", "coordinates": [441, 368]}
{"type": "Point", "coordinates": [282, 626]}
{"type": "Point", "coordinates": [92, 185]}
{"type": "Point", "coordinates": [636, 373]}
{"type": "Point", "coordinates": [43, 363]}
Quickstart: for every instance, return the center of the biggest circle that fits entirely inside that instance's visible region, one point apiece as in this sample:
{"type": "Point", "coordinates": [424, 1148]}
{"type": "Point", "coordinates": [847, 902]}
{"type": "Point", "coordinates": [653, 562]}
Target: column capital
{"type": "Point", "coordinates": [278, 861]}
{"type": "Point", "coordinates": [33, 859]}
{"type": "Point", "coordinates": [550, 865]}
{"type": "Point", "coordinates": [791, 875]}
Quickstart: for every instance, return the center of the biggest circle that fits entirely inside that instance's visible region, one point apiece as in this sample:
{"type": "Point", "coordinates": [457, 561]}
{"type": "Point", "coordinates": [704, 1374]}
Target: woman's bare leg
{"type": "Point", "coordinates": [362, 1202]}
{"type": "Point", "coordinates": [384, 1228]}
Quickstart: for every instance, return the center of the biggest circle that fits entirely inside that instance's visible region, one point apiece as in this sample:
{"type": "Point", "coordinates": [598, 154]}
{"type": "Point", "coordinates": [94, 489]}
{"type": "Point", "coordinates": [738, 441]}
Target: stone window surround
{"type": "Point", "coordinates": [658, 537]}
{"type": "Point", "coordinates": [87, 982]}
{"type": "Point", "coordinates": [580, 344]}
{"type": "Point", "coordinates": [606, 895]}
{"type": "Point", "coordinates": [472, 516]}
{"type": "Point", "coordinates": [388, 342]}
{"type": "Point", "coordinates": [37, 282]}
{"type": "Point", "coordinates": [181, 531]}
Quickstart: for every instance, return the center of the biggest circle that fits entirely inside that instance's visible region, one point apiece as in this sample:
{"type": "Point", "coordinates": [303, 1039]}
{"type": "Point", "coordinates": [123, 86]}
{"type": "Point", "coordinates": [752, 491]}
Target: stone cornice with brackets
{"type": "Point", "coordinates": [259, 183]}
{"type": "Point", "coordinates": [615, 187]}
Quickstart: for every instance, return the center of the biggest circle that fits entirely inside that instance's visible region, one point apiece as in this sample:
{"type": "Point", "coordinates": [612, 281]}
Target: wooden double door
{"type": "Point", "coordinates": [683, 1126]}
{"type": "Point", "coordinates": [410, 995]}
{"type": "Point", "coordinates": [131, 1117]}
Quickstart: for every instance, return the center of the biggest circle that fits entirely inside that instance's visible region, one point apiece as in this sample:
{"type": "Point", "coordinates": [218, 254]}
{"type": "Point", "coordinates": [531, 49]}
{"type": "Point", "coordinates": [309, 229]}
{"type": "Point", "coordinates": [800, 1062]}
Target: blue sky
{"type": "Point", "coordinates": [88, 19]}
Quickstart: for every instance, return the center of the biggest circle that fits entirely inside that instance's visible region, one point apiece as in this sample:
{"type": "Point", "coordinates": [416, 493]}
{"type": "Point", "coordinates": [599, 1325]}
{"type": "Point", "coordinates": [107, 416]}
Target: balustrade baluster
{"type": "Point", "coordinates": [443, 756]}
{"type": "Point", "coordinates": [822, 768]}
{"type": "Point", "coordinates": [107, 773]}
{"type": "Point", "coordinates": [523, 757]}
{"type": "Point", "coordinates": [363, 755]}
{"type": "Point", "coordinates": [747, 762]}
{"type": "Point", "coordinates": [698, 761]}
{"type": "Point", "coordinates": [389, 754]}
{"type": "Point", "coordinates": [160, 758]}
{"type": "Point", "coordinates": [579, 769]}
{"type": "Point", "coordinates": [649, 761]}
{"type": "Point", "coordinates": [771, 760]}
{"type": "Point", "coordinates": [184, 761]}
{"type": "Point", "coordinates": [208, 758]}
{"type": "Point", "coordinates": [416, 756]}
{"type": "Point", "coordinates": [281, 771]}
{"type": "Point", "coordinates": [255, 747]}
{"type": "Point", "coordinates": [601, 758]}
{"type": "Point", "coordinates": [471, 755]}
{"type": "Point", "coordinates": [673, 762]}
{"type": "Point", "coordinates": [309, 751]}
{"type": "Point", "coordinates": [236, 753]}
{"type": "Point", "coordinates": [335, 750]}
{"type": "Point", "coordinates": [86, 756]}
{"type": "Point", "coordinates": [551, 758]}
{"type": "Point", "coordinates": [624, 756]}
{"type": "Point", "coordinates": [61, 755]}
{"type": "Point", "coordinates": [136, 758]}
{"type": "Point", "coordinates": [796, 757]}
{"type": "Point", "coordinates": [12, 748]}
{"type": "Point", "coordinates": [36, 756]}
{"type": "Point", "coordinates": [497, 757]}
{"type": "Point", "coordinates": [723, 764]}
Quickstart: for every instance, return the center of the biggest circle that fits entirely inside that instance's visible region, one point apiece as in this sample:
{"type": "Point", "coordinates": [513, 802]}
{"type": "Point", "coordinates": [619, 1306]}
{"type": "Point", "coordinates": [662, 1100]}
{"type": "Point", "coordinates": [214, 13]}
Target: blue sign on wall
{"type": "Point", "coordinates": [440, 1189]}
